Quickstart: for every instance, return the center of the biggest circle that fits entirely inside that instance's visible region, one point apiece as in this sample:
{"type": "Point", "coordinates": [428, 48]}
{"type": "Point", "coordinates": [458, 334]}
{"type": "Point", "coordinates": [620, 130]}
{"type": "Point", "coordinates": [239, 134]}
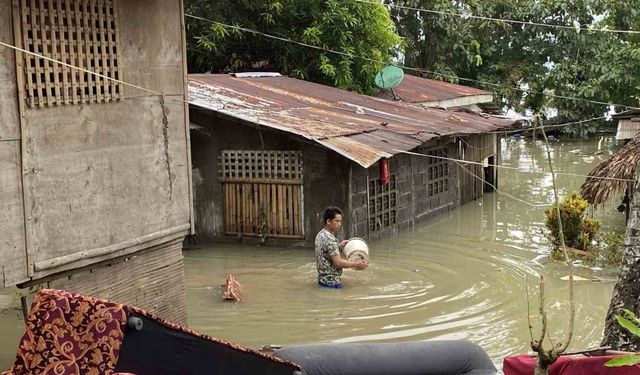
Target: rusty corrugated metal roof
{"type": "Point", "coordinates": [415, 89]}
{"type": "Point", "coordinates": [359, 127]}
{"type": "Point", "coordinates": [628, 128]}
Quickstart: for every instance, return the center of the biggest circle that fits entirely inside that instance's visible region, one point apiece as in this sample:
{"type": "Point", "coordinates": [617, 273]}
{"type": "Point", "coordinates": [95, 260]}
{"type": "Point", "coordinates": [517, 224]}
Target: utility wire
{"type": "Point", "coordinates": [91, 72]}
{"type": "Point", "coordinates": [466, 170]}
{"type": "Point", "coordinates": [184, 101]}
{"type": "Point", "coordinates": [526, 23]}
{"type": "Point", "coordinates": [550, 126]}
{"type": "Point", "coordinates": [419, 70]}
{"type": "Point", "coordinates": [507, 167]}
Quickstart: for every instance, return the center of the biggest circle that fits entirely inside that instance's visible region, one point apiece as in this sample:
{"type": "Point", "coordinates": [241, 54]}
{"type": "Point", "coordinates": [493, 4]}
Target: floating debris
{"type": "Point", "coordinates": [231, 289]}
{"type": "Point", "coordinates": [575, 278]}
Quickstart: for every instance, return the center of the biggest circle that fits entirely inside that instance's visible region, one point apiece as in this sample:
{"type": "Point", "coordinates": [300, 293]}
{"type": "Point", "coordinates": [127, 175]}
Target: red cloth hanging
{"type": "Point", "coordinates": [385, 173]}
{"type": "Point", "coordinates": [525, 365]}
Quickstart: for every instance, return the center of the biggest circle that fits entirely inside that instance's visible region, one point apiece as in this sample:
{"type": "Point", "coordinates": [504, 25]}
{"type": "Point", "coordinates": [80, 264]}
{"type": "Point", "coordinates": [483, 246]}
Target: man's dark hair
{"type": "Point", "coordinates": [331, 212]}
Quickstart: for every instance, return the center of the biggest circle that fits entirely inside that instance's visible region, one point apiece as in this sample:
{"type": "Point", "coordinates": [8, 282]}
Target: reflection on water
{"type": "Point", "coordinates": [463, 275]}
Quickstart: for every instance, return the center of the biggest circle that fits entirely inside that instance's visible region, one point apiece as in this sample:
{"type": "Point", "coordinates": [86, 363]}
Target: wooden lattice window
{"type": "Point", "coordinates": [81, 33]}
{"type": "Point", "coordinates": [438, 171]}
{"type": "Point", "coordinates": [383, 200]}
{"type": "Point", "coordinates": [262, 193]}
{"type": "Point", "coordinates": [261, 165]}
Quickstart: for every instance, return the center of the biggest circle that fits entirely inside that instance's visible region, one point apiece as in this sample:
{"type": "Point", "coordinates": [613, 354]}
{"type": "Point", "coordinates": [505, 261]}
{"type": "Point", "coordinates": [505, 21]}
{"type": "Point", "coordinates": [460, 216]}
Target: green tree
{"type": "Point", "coordinates": [590, 65]}
{"type": "Point", "coordinates": [346, 26]}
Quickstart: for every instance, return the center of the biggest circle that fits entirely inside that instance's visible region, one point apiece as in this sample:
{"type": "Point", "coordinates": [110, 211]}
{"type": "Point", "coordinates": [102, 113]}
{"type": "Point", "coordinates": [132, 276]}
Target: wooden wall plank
{"type": "Point", "coordinates": [255, 221]}
{"type": "Point", "coordinates": [37, 48]}
{"type": "Point", "coordinates": [245, 207]}
{"type": "Point", "coordinates": [290, 224]}
{"type": "Point", "coordinates": [90, 78]}
{"type": "Point", "coordinates": [274, 209]}
{"type": "Point", "coordinates": [152, 280]}
{"type": "Point", "coordinates": [234, 212]}
{"type": "Point", "coordinates": [29, 66]}
{"type": "Point", "coordinates": [65, 55]}
{"type": "Point", "coordinates": [80, 58]}
{"type": "Point", "coordinates": [227, 211]}
{"type": "Point", "coordinates": [296, 211]}
{"type": "Point", "coordinates": [103, 49]}
{"type": "Point", "coordinates": [53, 39]}
{"type": "Point", "coordinates": [95, 54]}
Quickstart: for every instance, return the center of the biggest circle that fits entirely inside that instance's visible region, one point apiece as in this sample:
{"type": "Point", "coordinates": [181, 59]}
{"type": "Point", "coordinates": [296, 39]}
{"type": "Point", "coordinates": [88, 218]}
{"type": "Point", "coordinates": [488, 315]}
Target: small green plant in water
{"type": "Point", "coordinates": [610, 249]}
{"type": "Point", "coordinates": [631, 323]}
{"type": "Point", "coordinates": [578, 230]}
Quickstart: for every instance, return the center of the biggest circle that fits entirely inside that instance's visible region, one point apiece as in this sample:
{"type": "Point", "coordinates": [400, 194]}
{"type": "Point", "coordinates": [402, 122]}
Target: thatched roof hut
{"type": "Point", "coordinates": [612, 174]}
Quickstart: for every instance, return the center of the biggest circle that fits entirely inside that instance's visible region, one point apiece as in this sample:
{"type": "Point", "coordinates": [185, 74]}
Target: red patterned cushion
{"type": "Point", "coordinates": [68, 333]}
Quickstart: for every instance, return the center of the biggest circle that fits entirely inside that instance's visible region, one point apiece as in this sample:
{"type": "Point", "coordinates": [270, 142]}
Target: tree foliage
{"type": "Point", "coordinates": [346, 26]}
{"type": "Point", "coordinates": [522, 59]}
{"type": "Point", "coordinates": [590, 65]}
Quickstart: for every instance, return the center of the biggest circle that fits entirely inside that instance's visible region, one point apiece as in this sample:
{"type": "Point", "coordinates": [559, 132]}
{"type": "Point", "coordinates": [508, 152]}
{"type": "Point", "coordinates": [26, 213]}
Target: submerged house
{"type": "Point", "coordinates": [270, 153]}
{"type": "Point", "coordinates": [95, 184]}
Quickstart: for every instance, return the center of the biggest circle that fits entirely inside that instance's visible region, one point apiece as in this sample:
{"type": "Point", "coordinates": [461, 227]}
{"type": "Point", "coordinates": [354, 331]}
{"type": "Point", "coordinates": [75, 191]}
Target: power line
{"type": "Point", "coordinates": [419, 70]}
{"type": "Point", "coordinates": [171, 96]}
{"type": "Point", "coordinates": [510, 168]}
{"type": "Point", "coordinates": [550, 126]}
{"type": "Point", "coordinates": [505, 20]}
{"type": "Point", "coordinates": [498, 191]}
{"type": "Point", "coordinates": [186, 102]}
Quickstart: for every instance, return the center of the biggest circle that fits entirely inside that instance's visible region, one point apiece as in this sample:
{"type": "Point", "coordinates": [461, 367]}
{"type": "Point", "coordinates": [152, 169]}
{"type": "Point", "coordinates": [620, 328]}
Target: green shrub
{"type": "Point", "coordinates": [611, 248]}
{"type": "Point", "coordinates": [579, 231]}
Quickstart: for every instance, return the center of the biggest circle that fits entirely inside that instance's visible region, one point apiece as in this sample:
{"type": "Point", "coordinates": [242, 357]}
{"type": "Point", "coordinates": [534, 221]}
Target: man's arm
{"type": "Point", "coordinates": [340, 262]}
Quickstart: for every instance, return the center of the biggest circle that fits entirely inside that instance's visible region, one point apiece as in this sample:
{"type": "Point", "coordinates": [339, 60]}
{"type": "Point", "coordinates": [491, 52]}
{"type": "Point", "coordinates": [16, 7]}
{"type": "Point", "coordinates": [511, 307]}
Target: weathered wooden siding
{"type": "Point", "coordinates": [104, 180]}
{"type": "Point", "coordinates": [152, 279]}
{"type": "Point", "coordinates": [12, 242]}
{"type": "Point", "coordinates": [474, 148]}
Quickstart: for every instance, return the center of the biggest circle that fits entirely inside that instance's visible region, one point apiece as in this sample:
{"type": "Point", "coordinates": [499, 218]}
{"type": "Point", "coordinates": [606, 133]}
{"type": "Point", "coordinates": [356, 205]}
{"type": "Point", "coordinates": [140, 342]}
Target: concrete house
{"type": "Point", "coordinates": [95, 185]}
{"type": "Point", "coordinates": [270, 153]}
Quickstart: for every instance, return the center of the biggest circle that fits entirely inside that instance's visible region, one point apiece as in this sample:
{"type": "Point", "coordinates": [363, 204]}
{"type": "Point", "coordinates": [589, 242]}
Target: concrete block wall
{"type": "Point", "coordinates": [413, 203]}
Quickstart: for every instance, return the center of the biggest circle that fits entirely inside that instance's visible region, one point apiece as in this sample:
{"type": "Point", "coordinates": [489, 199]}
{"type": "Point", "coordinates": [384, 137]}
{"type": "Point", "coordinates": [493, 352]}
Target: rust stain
{"type": "Point", "coordinates": [414, 89]}
{"type": "Point", "coordinates": [359, 127]}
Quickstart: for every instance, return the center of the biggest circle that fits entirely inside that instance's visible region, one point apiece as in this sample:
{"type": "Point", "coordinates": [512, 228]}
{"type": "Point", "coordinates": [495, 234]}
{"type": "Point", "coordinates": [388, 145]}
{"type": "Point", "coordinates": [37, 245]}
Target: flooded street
{"type": "Point", "coordinates": [462, 275]}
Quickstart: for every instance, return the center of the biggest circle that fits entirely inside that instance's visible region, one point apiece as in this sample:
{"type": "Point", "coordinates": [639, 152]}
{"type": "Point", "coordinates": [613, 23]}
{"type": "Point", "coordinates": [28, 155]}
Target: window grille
{"type": "Point", "coordinates": [383, 199]}
{"type": "Point", "coordinates": [82, 33]}
{"type": "Point", "coordinates": [261, 165]}
{"type": "Point", "coordinates": [438, 171]}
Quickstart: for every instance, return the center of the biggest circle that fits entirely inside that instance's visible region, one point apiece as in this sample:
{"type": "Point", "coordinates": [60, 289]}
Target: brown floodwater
{"type": "Point", "coordinates": [462, 275]}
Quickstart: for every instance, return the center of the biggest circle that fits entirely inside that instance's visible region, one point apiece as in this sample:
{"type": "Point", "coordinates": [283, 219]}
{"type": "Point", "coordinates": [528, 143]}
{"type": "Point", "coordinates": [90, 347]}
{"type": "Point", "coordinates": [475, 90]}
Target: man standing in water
{"type": "Point", "coordinates": [328, 259]}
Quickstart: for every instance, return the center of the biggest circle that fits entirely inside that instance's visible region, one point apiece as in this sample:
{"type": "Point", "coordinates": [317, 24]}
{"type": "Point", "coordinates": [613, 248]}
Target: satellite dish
{"type": "Point", "coordinates": [389, 77]}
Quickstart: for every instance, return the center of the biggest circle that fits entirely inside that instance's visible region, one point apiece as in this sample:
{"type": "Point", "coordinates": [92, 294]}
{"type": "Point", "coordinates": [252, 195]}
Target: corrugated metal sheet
{"type": "Point", "coordinates": [359, 127]}
{"type": "Point", "coordinates": [414, 89]}
{"type": "Point", "coordinates": [628, 128]}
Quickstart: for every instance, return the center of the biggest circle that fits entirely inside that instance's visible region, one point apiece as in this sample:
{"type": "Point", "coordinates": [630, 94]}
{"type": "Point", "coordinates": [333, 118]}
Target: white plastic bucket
{"type": "Point", "coordinates": [356, 249]}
